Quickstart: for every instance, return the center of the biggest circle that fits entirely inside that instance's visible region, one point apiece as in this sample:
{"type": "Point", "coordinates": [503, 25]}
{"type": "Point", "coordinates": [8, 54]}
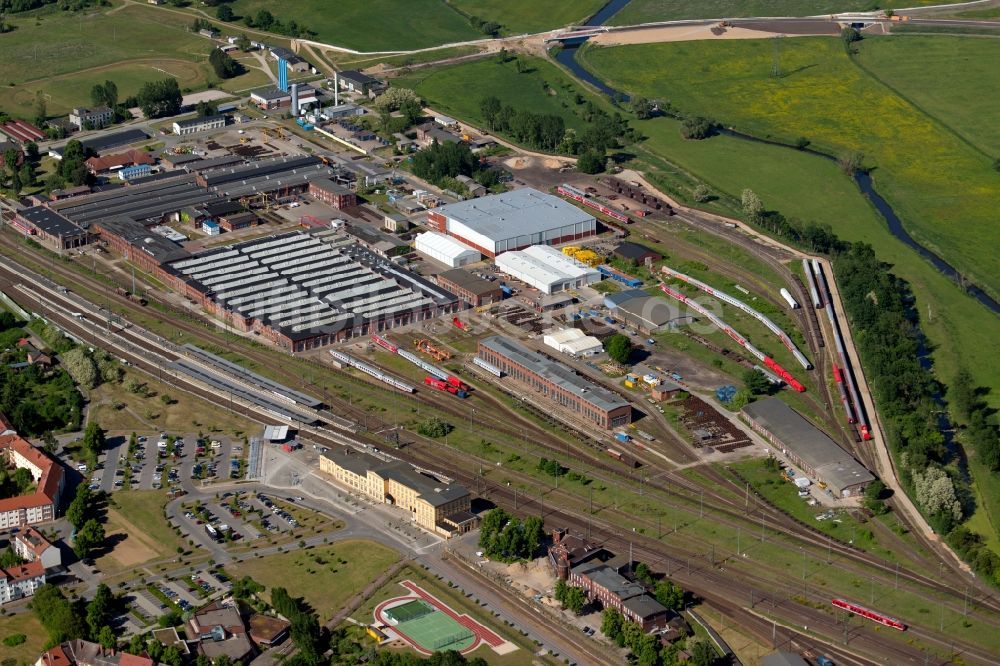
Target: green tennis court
{"type": "Point", "coordinates": [430, 628]}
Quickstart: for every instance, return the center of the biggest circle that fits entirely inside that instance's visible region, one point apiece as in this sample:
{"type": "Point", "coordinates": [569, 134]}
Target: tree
{"type": "Point", "coordinates": [88, 538]}
{"type": "Point", "coordinates": [26, 175]}
{"type": "Point", "coordinates": [619, 348]}
{"type": "Point", "coordinates": [575, 599]}
{"type": "Point", "coordinates": [643, 573]}
{"type": "Point", "coordinates": [702, 194]}
{"type": "Point", "coordinates": [107, 638]}
{"type": "Point", "coordinates": [702, 654]}
{"type": "Point", "coordinates": [642, 108]}
{"type": "Point", "coordinates": [171, 656]}
{"type": "Point", "coordinates": [41, 110]}
{"type": "Point", "coordinates": [57, 614]}
{"type": "Point", "coordinates": [697, 128]}
{"type": "Point", "coordinates": [874, 494]}
{"type": "Point", "coordinates": [243, 42]}
{"type": "Point", "coordinates": [15, 182]}
{"type": "Point", "coordinates": [77, 511]}
{"type": "Point", "coordinates": [611, 623]}
{"type": "Point", "coordinates": [99, 610]}
{"type": "Point", "coordinates": [850, 35]}
{"type": "Point", "coordinates": [752, 206]}
{"type": "Point", "coordinates": [223, 65]}
{"type": "Point", "coordinates": [93, 438]}
{"type": "Point", "coordinates": [936, 492]}
{"type": "Point", "coordinates": [394, 98]}
{"type": "Point", "coordinates": [31, 151]}
{"type": "Point", "coordinates": [590, 162]}
{"type": "Point", "coordinates": [205, 109]}
{"type": "Point", "coordinates": [10, 157]}
{"type": "Point", "coordinates": [81, 367]}
{"type": "Point", "coordinates": [434, 427]}
{"type": "Point", "coordinates": [137, 645]}
{"type": "Point", "coordinates": [224, 13]}
{"type": "Point", "coordinates": [670, 595]}
{"type": "Point", "coordinates": [757, 382]}
{"type": "Point", "coordinates": [160, 98]}
{"type": "Point", "coordinates": [851, 162]}
{"type": "Point", "coordinates": [105, 94]}
{"type": "Point", "coordinates": [741, 399]}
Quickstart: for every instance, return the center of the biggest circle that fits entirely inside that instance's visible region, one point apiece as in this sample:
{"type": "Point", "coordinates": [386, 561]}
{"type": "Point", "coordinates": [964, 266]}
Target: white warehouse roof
{"type": "Point", "coordinates": [521, 212]}
{"type": "Point", "coordinates": [546, 269]}
{"type": "Point", "coordinates": [574, 342]}
{"type": "Point", "coordinates": [445, 249]}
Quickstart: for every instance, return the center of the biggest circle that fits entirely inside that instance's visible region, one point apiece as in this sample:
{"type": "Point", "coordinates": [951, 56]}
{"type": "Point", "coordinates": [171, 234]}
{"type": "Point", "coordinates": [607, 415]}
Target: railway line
{"type": "Point", "coordinates": [153, 367]}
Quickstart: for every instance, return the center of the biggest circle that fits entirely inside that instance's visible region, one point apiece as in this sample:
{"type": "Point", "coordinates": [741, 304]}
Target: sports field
{"type": "Point", "coordinates": [644, 11]}
{"type": "Point", "coordinates": [371, 25]}
{"type": "Point", "coordinates": [944, 189]}
{"type": "Point", "coordinates": [527, 16]}
{"type": "Point", "coordinates": [428, 627]}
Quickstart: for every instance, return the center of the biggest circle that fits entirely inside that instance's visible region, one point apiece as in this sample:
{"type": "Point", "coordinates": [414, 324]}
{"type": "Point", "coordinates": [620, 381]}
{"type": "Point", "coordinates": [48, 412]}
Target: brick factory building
{"type": "Point", "coordinates": [473, 290]}
{"type": "Point", "coordinates": [50, 228]}
{"type": "Point", "coordinates": [512, 221]}
{"type": "Point", "coordinates": [40, 506]}
{"type": "Point", "coordinates": [332, 193]}
{"type": "Point", "coordinates": [602, 583]}
{"type": "Point", "coordinates": [556, 382]}
{"type": "Point", "coordinates": [436, 506]}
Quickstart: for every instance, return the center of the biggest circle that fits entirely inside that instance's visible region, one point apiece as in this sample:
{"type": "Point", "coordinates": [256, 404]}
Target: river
{"type": "Point", "coordinates": [863, 179]}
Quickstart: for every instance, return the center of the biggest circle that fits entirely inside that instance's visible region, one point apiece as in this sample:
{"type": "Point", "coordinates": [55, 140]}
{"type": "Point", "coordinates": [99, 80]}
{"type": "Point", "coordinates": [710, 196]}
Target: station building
{"type": "Point", "coordinates": [556, 382]}
{"type": "Point", "coordinates": [437, 506]}
{"type": "Point", "coordinates": [513, 220]}
{"type": "Point", "coordinates": [808, 447]}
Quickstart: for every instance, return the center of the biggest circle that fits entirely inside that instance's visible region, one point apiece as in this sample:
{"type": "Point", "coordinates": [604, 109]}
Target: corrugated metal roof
{"type": "Point", "coordinates": [521, 212]}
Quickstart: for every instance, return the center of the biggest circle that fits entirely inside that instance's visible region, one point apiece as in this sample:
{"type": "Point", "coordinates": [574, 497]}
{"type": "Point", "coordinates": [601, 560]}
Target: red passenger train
{"type": "Point", "coordinates": [870, 614]}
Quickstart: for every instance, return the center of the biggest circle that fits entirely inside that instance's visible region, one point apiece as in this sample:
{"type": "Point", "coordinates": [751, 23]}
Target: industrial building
{"type": "Point", "coordinates": [556, 382]}
{"type": "Point", "coordinates": [40, 506]}
{"type": "Point", "coordinates": [636, 253]}
{"type": "Point", "coordinates": [445, 249]}
{"type": "Point", "coordinates": [303, 293]}
{"type": "Point", "coordinates": [574, 342]}
{"type": "Point", "coordinates": [271, 97]}
{"type": "Point", "coordinates": [201, 124]}
{"type": "Point", "coordinates": [808, 447]}
{"type": "Point", "coordinates": [602, 583]}
{"type": "Point", "coordinates": [21, 131]}
{"type": "Point", "coordinates": [332, 193]}
{"type": "Point", "coordinates": [437, 506]}
{"type": "Point", "coordinates": [354, 81]}
{"type": "Point", "coordinates": [49, 228]}
{"type": "Point", "coordinates": [547, 269]}
{"type": "Point", "coordinates": [512, 221]}
{"type": "Point", "coordinates": [645, 313]}
{"type": "Point", "coordinates": [105, 163]}
{"type": "Point", "coordinates": [472, 289]}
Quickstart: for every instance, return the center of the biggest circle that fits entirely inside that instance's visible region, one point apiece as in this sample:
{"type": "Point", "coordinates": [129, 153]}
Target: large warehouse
{"type": "Point", "coordinates": [513, 220]}
{"type": "Point", "coordinates": [547, 269]}
{"type": "Point", "coordinates": [445, 249]}
{"type": "Point", "coordinates": [556, 382]}
{"type": "Point", "coordinates": [808, 447]}
{"type": "Point", "coordinates": [303, 293]}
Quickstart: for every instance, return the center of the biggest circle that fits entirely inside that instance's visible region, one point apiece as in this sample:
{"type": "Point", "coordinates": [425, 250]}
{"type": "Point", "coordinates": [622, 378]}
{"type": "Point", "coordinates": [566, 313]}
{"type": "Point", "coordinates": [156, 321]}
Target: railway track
{"type": "Point", "coordinates": [328, 437]}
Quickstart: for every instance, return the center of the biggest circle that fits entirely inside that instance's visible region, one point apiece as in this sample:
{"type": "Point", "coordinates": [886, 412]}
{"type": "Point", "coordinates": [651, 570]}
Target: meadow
{"type": "Point", "coordinates": [643, 11]}
{"type": "Point", "coordinates": [528, 16]}
{"type": "Point", "coordinates": [944, 190]}
{"type": "Point", "coordinates": [945, 77]}
{"type": "Point", "coordinates": [371, 25]}
{"type": "Point", "coordinates": [62, 55]}
{"type": "Point", "coordinates": [458, 89]}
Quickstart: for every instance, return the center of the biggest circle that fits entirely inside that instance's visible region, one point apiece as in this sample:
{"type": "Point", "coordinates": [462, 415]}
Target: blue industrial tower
{"type": "Point", "coordinates": [283, 75]}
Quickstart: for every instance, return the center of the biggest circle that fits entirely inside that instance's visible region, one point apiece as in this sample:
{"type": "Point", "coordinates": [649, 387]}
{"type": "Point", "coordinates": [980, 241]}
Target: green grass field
{"type": "Point", "coordinates": [520, 16]}
{"type": "Point", "coordinates": [47, 46]}
{"type": "Point", "coordinates": [371, 25]}
{"type": "Point", "coordinates": [943, 189]}
{"type": "Point", "coordinates": [946, 77]}
{"type": "Point", "coordinates": [29, 625]}
{"type": "Point", "coordinates": [643, 11]}
{"type": "Point", "coordinates": [458, 89]}
{"type": "Point", "coordinates": [326, 576]}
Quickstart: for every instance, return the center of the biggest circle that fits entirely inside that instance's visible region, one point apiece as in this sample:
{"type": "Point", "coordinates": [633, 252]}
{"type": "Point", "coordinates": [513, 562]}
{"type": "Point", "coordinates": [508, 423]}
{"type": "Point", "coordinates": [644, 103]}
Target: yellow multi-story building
{"type": "Point", "coordinates": [436, 506]}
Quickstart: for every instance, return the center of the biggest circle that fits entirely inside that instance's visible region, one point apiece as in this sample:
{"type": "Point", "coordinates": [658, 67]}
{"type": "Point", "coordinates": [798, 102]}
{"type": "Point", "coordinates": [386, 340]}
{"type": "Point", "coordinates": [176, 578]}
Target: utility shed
{"type": "Point", "coordinates": [808, 447]}
{"type": "Point", "coordinates": [445, 249]}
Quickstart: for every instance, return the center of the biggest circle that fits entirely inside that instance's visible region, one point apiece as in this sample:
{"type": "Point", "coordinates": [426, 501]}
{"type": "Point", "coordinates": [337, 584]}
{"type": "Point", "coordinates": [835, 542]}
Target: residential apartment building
{"type": "Point", "coordinates": [21, 581]}
{"type": "Point", "coordinates": [436, 506]}
{"type": "Point", "coordinates": [91, 118]}
{"type": "Point", "coordinates": [40, 506]}
{"type": "Point", "coordinates": [31, 545]}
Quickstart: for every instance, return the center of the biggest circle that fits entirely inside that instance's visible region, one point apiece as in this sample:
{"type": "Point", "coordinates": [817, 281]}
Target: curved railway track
{"type": "Point", "coordinates": [268, 361]}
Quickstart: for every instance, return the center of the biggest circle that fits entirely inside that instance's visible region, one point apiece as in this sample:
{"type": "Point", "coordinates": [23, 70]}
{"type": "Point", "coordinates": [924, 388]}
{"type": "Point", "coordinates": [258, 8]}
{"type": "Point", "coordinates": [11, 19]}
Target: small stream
{"type": "Point", "coordinates": [863, 179]}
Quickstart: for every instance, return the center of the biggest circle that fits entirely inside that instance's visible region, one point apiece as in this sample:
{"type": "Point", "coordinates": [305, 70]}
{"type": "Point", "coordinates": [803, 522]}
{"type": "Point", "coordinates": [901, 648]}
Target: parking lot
{"type": "Point", "coordinates": [163, 459]}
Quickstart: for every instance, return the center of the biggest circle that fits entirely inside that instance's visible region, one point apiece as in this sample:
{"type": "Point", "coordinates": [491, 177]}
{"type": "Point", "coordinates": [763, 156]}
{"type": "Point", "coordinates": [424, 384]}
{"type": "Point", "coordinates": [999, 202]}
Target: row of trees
{"type": "Point", "coordinates": [535, 130]}
{"type": "Point", "coordinates": [67, 620]}
{"type": "Point", "coordinates": [305, 631]}
{"type": "Point", "coordinates": [570, 597]}
{"type": "Point", "coordinates": [507, 538]}
{"type": "Point", "coordinates": [812, 236]}
{"type": "Point", "coordinates": [223, 65]}
{"type": "Point", "coordinates": [82, 514]}
{"type": "Point", "coordinates": [440, 163]}
{"type": "Point", "coordinates": [646, 648]}
{"type": "Point", "coordinates": [266, 21]}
